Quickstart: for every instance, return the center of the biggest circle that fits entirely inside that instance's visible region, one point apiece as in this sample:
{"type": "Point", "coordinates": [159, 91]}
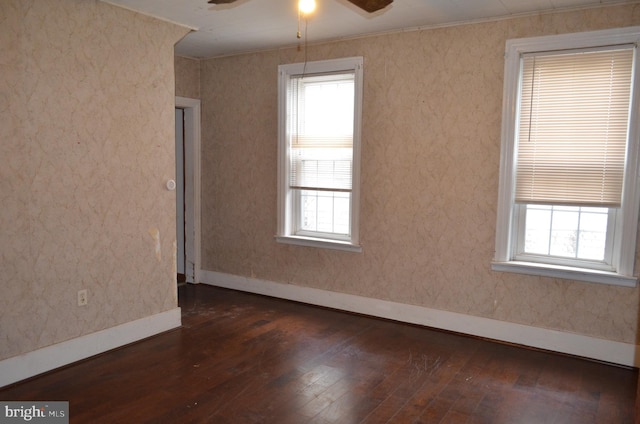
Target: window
{"type": "Point", "coordinates": [319, 151]}
{"type": "Point", "coordinates": [568, 200]}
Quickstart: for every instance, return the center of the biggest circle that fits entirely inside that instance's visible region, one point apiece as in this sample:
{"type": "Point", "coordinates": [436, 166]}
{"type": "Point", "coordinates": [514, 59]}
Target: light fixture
{"type": "Point", "coordinates": [306, 7]}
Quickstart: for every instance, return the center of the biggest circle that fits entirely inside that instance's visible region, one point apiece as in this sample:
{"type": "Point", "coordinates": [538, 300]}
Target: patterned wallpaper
{"type": "Point", "coordinates": [87, 141]}
{"type": "Point", "coordinates": [187, 77]}
{"type": "Point", "coordinates": [430, 162]}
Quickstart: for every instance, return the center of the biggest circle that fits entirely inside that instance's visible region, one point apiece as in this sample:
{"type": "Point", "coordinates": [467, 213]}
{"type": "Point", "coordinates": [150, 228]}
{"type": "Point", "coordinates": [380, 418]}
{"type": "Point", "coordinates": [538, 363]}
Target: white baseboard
{"type": "Point", "coordinates": [51, 357]}
{"type": "Point", "coordinates": [558, 341]}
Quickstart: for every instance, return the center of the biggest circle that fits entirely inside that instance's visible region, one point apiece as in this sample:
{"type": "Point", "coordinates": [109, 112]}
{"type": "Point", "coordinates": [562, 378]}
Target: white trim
{"type": "Point", "coordinates": [179, 188]}
{"type": "Point", "coordinates": [571, 273]}
{"type": "Point", "coordinates": [315, 242]}
{"type": "Point", "coordinates": [51, 357]}
{"type": "Point", "coordinates": [542, 338]}
{"type": "Point", "coordinates": [192, 142]}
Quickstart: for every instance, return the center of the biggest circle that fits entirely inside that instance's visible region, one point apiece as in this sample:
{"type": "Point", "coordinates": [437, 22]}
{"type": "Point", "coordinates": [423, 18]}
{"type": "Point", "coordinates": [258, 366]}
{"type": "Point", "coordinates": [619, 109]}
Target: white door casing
{"type": "Point", "coordinates": [192, 171]}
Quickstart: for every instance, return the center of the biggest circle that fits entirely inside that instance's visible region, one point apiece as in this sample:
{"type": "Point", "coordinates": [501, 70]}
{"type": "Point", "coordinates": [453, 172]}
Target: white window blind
{"type": "Point", "coordinates": [321, 132]}
{"type": "Point", "coordinates": [573, 126]}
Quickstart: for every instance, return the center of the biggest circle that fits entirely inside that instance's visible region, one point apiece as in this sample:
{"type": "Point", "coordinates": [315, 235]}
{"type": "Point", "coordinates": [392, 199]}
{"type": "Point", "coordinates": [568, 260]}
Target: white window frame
{"type": "Point", "coordinates": [624, 243]}
{"type": "Point", "coordinates": [286, 196]}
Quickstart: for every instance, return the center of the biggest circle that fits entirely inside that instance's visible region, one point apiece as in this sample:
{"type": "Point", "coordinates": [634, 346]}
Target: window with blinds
{"type": "Point", "coordinates": [569, 196]}
{"type": "Point", "coordinates": [321, 152]}
{"type": "Point", "coordinates": [573, 126]}
{"type": "Point", "coordinates": [320, 104]}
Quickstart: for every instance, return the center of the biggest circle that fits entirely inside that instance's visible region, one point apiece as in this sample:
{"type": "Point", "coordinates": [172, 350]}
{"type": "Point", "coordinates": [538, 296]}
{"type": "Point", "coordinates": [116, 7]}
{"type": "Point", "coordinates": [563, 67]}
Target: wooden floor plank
{"type": "Point", "coordinates": [242, 358]}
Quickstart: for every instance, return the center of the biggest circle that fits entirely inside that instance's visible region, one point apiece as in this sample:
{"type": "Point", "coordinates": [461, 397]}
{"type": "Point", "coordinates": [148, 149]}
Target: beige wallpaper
{"type": "Point", "coordinates": [187, 77]}
{"type": "Point", "coordinates": [430, 159]}
{"type": "Point", "coordinates": [87, 142]}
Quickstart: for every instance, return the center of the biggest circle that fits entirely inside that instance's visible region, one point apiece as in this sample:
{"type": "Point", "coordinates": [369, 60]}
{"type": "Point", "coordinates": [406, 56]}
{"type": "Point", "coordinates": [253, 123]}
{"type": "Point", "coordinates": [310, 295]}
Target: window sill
{"type": "Point", "coordinates": [570, 273]}
{"type": "Point", "coordinates": [321, 243]}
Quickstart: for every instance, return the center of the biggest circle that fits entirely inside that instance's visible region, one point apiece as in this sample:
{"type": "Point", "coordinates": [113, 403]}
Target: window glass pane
{"type": "Point", "coordinates": [325, 211]}
{"type": "Point", "coordinates": [604, 211]}
{"type": "Point", "coordinates": [566, 208]}
{"type": "Point", "coordinates": [324, 221]}
{"type": "Point", "coordinates": [341, 216]}
{"type": "Point", "coordinates": [328, 108]}
{"type": "Point", "coordinates": [566, 231]}
{"type": "Point", "coordinates": [538, 229]}
{"type": "Point", "coordinates": [593, 234]}
{"type": "Point", "coordinates": [309, 201]}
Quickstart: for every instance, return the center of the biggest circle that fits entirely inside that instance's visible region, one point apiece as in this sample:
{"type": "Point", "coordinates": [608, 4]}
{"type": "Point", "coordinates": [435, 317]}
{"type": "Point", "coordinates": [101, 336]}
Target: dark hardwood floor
{"type": "Point", "coordinates": [242, 358]}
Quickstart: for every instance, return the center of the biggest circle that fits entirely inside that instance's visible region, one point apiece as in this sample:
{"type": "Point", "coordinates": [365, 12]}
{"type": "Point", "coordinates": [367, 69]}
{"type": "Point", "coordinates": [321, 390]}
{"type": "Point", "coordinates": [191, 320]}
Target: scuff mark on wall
{"type": "Point", "coordinates": [155, 234]}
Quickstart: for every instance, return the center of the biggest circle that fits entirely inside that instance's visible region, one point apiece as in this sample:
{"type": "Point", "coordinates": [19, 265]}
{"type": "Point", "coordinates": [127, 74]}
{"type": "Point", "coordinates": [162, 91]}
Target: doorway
{"type": "Point", "coordinates": [187, 189]}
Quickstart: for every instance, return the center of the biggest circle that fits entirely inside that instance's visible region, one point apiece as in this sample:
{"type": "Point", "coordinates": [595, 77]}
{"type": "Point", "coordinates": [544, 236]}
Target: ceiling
{"type": "Point", "coordinates": [252, 25]}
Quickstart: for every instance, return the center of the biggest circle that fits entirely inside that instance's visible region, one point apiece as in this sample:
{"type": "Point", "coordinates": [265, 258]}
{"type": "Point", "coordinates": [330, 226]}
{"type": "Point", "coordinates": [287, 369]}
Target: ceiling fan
{"type": "Point", "coordinates": [366, 5]}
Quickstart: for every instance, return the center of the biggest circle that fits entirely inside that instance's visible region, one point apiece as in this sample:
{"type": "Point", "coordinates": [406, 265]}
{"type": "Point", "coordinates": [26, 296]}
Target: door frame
{"type": "Point", "coordinates": [192, 169]}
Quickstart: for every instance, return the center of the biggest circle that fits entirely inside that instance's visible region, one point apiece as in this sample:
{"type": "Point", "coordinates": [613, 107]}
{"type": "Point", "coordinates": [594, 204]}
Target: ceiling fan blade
{"type": "Point", "coordinates": [371, 5]}
{"type": "Point", "coordinates": [220, 1]}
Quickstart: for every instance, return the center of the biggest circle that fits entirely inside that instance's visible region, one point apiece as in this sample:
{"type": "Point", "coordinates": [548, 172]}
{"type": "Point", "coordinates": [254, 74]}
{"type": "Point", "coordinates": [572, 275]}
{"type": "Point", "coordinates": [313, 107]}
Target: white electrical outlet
{"type": "Point", "coordinates": [82, 297]}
